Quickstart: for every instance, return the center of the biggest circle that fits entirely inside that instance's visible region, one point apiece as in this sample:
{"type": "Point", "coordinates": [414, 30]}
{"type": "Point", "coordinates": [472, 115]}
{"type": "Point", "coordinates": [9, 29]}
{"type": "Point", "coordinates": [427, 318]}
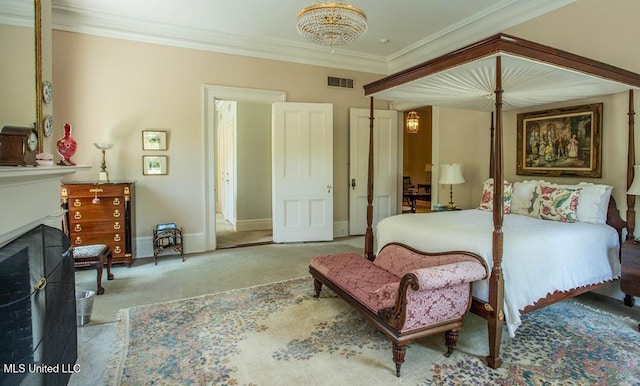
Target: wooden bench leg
{"type": "Point", "coordinates": [451, 339]}
{"type": "Point", "coordinates": [398, 356]}
{"type": "Point", "coordinates": [317, 286]}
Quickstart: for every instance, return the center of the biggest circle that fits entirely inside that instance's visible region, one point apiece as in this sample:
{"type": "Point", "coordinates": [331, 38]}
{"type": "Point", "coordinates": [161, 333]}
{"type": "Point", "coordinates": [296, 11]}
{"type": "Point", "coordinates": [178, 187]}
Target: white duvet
{"type": "Point", "coordinates": [540, 256]}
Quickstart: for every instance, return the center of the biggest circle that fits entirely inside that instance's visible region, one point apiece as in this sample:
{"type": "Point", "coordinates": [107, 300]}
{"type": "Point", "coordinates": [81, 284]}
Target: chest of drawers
{"type": "Point", "coordinates": [102, 214]}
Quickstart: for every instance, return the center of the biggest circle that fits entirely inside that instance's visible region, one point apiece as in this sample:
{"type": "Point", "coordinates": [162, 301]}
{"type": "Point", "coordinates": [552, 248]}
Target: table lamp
{"type": "Point", "coordinates": [451, 174]}
{"type": "Point", "coordinates": [103, 175]}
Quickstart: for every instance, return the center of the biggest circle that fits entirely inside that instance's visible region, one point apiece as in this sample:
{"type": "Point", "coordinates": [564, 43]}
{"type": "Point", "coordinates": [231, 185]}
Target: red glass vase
{"type": "Point", "coordinates": [66, 146]}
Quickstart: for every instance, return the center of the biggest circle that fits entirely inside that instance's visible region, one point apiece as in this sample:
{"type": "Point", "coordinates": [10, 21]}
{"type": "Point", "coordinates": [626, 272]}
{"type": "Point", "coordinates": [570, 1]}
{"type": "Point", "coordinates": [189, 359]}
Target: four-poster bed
{"type": "Point", "coordinates": [497, 74]}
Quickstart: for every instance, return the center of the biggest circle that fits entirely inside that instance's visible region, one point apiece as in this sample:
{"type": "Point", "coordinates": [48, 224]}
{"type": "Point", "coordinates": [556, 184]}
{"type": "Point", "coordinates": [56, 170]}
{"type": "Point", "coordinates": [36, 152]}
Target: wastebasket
{"type": "Point", "coordinates": [84, 306]}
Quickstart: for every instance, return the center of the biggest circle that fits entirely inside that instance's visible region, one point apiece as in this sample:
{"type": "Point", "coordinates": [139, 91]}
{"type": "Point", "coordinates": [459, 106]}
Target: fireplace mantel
{"type": "Point", "coordinates": [30, 196]}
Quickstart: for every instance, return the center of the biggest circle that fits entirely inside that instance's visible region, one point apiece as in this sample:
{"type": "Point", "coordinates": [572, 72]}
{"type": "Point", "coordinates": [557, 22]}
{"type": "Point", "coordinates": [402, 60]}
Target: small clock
{"type": "Point", "coordinates": [48, 125]}
{"type": "Point", "coordinates": [18, 146]}
{"type": "Point", "coordinates": [47, 91]}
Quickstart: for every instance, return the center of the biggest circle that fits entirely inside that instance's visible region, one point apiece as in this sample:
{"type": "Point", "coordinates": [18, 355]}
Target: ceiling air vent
{"type": "Point", "coordinates": [339, 82]}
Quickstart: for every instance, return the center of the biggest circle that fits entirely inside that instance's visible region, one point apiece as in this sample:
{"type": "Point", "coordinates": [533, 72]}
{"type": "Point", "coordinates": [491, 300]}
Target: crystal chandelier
{"type": "Point", "coordinates": [332, 23]}
{"type": "Point", "coordinates": [413, 120]}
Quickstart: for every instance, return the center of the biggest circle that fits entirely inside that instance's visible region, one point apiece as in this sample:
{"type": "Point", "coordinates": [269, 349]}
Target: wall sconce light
{"type": "Point", "coordinates": [413, 121]}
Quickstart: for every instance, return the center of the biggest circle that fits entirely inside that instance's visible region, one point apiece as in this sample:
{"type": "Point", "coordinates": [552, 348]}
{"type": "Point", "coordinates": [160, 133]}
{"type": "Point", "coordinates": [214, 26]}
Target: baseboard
{"type": "Point", "coordinates": [193, 243]}
{"type": "Point", "coordinates": [254, 225]}
{"type": "Point", "coordinates": [340, 229]}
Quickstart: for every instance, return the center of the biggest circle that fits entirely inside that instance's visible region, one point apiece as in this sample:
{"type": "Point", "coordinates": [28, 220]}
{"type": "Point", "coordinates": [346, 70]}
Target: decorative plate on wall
{"type": "Point", "coordinates": [48, 125]}
{"type": "Point", "coordinates": [47, 91]}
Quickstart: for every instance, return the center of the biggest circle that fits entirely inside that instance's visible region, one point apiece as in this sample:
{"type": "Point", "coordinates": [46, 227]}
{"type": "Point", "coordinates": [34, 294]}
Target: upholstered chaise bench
{"type": "Point", "coordinates": [406, 294]}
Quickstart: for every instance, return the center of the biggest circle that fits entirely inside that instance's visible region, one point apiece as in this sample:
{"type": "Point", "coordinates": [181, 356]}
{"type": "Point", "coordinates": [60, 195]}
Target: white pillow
{"type": "Point", "coordinates": [593, 201]}
{"type": "Point", "coordinates": [522, 198]}
{"type": "Point", "coordinates": [596, 198]}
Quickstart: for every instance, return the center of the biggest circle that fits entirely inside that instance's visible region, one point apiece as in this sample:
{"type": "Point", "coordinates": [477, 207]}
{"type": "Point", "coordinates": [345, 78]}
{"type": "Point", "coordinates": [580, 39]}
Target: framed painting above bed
{"type": "Point", "coordinates": [560, 142]}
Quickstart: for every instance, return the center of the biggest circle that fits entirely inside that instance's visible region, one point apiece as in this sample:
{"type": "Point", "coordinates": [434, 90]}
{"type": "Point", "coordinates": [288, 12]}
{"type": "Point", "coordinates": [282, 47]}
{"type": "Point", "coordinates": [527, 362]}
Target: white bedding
{"type": "Point", "coordinates": [540, 256]}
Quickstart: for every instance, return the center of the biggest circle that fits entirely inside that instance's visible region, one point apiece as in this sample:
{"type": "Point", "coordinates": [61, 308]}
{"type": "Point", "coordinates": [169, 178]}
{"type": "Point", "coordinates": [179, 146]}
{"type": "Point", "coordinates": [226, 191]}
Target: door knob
{"type": "Point", "coordinates": [353, 183]}
{"type": "Point", "coordinates": [329, 188]}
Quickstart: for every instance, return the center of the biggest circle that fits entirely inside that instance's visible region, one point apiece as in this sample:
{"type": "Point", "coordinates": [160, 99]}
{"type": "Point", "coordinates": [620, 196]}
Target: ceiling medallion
{"type": "Point", "coordinates": [332, 23]}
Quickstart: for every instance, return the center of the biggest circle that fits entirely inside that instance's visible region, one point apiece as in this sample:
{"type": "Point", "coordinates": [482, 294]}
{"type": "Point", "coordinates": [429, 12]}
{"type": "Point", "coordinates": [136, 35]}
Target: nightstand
{"type": "Point", "coordinates": [630, 279]}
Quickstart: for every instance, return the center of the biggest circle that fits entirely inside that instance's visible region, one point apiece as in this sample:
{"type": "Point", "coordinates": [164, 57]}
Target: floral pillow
{"type": "Point", "coordinates": [558, 204]}
{"type": "Point", "coordinates": [486, 202]}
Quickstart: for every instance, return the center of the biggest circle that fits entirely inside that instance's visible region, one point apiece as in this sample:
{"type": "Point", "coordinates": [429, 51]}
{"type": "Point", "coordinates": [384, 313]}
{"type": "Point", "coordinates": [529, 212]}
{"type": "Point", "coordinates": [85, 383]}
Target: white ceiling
{"type": "Point", "coordinates": [416, 30]}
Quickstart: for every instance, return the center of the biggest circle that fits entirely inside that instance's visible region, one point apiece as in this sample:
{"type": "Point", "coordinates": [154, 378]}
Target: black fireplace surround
{"type": "Point", "coordinates": [38, 333]}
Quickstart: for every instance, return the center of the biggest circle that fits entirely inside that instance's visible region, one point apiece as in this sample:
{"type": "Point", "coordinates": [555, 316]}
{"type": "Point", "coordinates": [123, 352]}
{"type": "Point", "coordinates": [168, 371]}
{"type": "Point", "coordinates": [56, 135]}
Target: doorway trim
{"type": "Point", "coordinates": [209, 95]}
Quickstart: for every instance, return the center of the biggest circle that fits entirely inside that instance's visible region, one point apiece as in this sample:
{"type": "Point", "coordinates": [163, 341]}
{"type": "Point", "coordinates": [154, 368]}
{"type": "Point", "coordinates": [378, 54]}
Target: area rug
{"type": "Point", "coordinates": [279, 334]}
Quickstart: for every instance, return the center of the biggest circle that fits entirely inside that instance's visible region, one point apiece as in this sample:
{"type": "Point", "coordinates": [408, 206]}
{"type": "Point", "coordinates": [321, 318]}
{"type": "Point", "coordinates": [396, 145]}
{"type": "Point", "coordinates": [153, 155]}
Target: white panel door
{"type": "Point", "coordinates": [385, 167]}
{"type": "Point", "coordinates": [302, 152]}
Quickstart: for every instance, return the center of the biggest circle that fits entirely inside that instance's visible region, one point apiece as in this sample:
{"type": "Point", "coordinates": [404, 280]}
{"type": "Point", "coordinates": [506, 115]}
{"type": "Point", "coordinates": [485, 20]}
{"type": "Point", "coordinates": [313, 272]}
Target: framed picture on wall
{"type": "Point", "coordinates": [154, 165]}
{"type": "Point", "coordinates": [154, 140]}
{"type": "Point", "coordinates": [560, 142]}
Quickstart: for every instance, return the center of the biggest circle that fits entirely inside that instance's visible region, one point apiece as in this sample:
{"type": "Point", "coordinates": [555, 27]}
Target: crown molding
{"type": "Point", "coordinates": [18, 14]}
{"type": "Point", "coordinates": [150, 31]}
{"type": "Point", "coordinates": [120, 26]}
{"type": "Point", "coordinates": [471, 30]}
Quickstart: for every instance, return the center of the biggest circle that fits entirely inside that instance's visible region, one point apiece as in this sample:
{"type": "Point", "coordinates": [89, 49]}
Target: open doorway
{"type": "Point", "coordinates": [237, 142]}
{"type": "Point", "coordinates": [417, 161]}
{"type": "Point", "coordinates": [243, 173]}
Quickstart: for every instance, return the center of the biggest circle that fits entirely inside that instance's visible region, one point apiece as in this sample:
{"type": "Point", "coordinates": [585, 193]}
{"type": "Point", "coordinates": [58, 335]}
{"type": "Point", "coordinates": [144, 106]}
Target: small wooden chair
{"type": "Point", "coordinates": [94, 256]}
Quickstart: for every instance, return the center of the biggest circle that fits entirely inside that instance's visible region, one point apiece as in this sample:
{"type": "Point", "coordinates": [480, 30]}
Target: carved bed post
{"type": "Point", "coordinates": [496, 281]}
{"type": "Point", "coordinates": [368, 236]}
{"type": "Point", "coordinates": [492, 167]}
{"type": "Point", "coordinates": [631, 147]}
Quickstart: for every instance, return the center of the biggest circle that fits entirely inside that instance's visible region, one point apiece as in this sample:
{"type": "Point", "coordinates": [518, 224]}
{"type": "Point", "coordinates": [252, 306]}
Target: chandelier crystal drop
{"type": "Point", "coordinates": [332, 23]}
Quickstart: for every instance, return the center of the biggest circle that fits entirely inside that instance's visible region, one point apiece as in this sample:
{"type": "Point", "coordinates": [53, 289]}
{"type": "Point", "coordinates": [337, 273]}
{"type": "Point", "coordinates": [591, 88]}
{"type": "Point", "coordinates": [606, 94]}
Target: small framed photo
{"type": "Point", "coordinates": [154, 140]}
{"type": "Point", "coordinates": [155, 165]}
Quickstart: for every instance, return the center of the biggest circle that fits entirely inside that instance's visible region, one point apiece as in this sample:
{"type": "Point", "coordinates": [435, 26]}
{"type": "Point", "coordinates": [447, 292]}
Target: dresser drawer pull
{"type": "Point", "coordinates": [117, 237]}
{"type": "Point", "coordinates": [117, 249]}
{"type": "Point", "coordinates": [77, 228]}
{"type": "Point", "coordinates": [116, 201]}
{"type": "Point", "coordinates": [116, 225]}
{"type": "Point", "coordinates": [77, 215]}
{"type": "Point", "coordinates": [116, 213]}
{"type": "Point", "coordinates": [78, 241]}
{"type": "Point", "coordinates": [77, 202]}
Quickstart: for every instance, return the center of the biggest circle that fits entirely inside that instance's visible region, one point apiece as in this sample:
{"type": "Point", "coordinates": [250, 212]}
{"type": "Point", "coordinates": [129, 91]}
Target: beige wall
{"type": "Point", "coordinates": [254, 162]}
{"type": "Point", "coordinates": [110, 90]}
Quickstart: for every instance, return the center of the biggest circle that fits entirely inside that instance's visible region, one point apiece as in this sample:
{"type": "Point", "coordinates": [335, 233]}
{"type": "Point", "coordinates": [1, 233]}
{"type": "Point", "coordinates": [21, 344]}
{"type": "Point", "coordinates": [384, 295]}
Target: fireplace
{"type": "Point", "coordinates": [38, 333]}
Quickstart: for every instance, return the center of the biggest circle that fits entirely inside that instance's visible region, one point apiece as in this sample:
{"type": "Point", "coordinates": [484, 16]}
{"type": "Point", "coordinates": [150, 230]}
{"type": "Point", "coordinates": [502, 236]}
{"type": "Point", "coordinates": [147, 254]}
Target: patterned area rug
{"type": "Point", "coordinates": [279, 334]}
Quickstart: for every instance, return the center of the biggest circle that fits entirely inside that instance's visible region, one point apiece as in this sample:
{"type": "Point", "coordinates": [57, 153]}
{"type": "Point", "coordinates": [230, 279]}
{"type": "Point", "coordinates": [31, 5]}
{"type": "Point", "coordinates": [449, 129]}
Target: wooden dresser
{"type": "Point", "coordinates": [102, 213]}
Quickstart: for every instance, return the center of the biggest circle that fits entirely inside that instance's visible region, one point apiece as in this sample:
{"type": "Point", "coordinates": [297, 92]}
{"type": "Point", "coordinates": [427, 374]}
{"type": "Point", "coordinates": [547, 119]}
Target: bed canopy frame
{"type": "Point", "coordinates": [497, 74]}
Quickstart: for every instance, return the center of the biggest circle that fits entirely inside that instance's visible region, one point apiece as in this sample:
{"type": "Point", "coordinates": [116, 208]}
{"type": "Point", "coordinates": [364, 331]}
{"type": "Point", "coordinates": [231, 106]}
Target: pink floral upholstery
{"type": "Point", "coordinates": [444, 292]}
{"type": "Point", "coordinates": [399, 260]}
{"type": "Point", "coordinates": [359, 278]}
{"type": "Point", "coordinates": [406, 294]}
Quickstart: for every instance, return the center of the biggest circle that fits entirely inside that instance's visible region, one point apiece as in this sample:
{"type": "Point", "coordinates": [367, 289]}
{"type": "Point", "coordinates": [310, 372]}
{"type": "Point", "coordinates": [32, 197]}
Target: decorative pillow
{"type": "Point", "coordinates": [523, 197]}
{"type": "Point", "coordinates": [558, 204]}
{"type": "Point", "coordinates": [592, 204]}
{"type": "Point", "coordinates": [486, 202]}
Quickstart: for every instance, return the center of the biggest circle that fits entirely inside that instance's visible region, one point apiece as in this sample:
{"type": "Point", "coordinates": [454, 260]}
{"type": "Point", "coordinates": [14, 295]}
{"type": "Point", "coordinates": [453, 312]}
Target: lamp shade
{"type": "Point", "coordinates": [635, 185]}
{"type": "Point", "coordinates": [427, 167]}
{"type": "Point", "coordinates": [451, 174]}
